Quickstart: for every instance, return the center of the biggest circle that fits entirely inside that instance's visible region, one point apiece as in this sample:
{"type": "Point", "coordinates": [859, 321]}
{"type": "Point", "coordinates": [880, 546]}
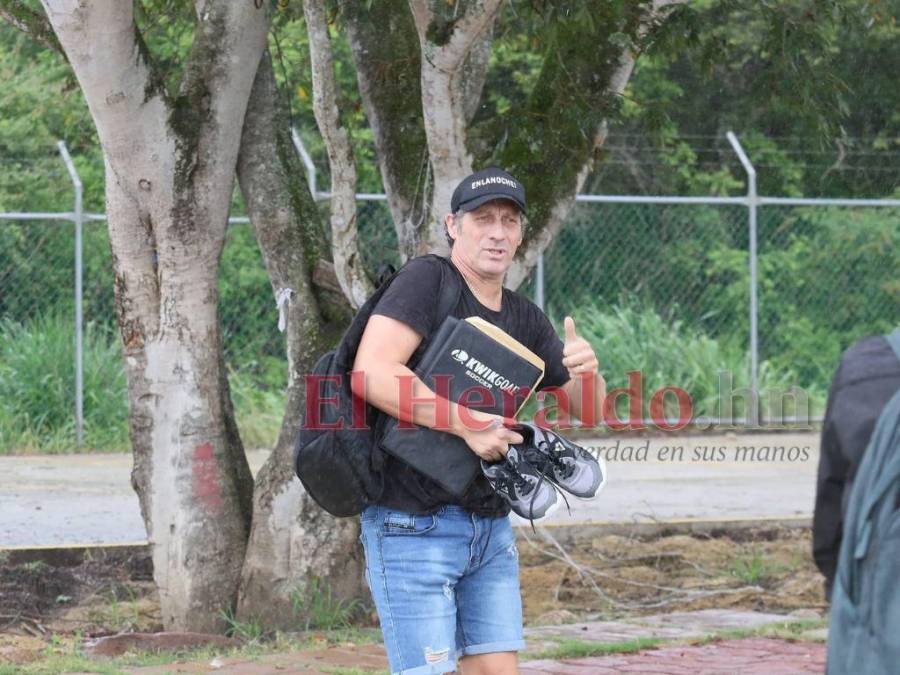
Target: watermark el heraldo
{"type": "Point", "coordinates": [643, 451]}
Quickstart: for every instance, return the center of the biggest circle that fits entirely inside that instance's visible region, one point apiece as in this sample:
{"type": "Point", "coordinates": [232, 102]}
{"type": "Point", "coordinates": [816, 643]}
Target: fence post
{"type": "Point", "coordinates": [79, 337]}
{"type": "Point", "coordinates": [307, 162]}
{"type": "Point", "coordinates": [752, 203]}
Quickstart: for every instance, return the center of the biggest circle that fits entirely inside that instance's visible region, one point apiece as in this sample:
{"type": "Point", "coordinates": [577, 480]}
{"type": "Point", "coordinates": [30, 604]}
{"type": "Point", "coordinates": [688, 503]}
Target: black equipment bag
{"type": "Point", "coordinates": [337, 465]}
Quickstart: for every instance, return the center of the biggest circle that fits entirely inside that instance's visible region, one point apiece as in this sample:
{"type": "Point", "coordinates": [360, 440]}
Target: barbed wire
{"type": "Point", "coordinates": [767, 151]}
{"type": "Point", "coordinates": [722, 165]}
{"type": "Point", "coordinates": [721, 137]}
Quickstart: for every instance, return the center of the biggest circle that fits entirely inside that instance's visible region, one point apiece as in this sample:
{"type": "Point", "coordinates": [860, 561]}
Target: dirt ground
{"type": "Point", "coordinates": [605, 578]}
{"type": "Point", "coordinates": [613, 577]}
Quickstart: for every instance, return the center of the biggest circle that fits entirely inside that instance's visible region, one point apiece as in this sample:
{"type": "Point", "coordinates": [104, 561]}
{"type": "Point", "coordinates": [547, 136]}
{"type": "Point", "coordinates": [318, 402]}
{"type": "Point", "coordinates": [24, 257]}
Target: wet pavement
{"type": "Point", "coordinates": [83, 499]}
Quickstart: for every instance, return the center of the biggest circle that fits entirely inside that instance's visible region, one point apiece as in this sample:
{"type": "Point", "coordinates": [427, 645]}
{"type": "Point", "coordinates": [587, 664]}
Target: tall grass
{"type": "Point", "coordinates": [37, 387]}
{"type": "Point", "coordinates": [258, 407]}
{"type": "Point", "coordinates": [629, 337]}
{"type": "Point", "coordinates": [37, 391]}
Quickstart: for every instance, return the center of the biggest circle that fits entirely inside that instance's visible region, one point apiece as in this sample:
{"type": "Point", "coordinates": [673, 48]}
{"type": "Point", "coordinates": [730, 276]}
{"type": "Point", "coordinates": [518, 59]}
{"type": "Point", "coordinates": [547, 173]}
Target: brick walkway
{"type": "Point", "coordinates": [751, 656]}
{"type": "Point", "coordinates": [746, 656]}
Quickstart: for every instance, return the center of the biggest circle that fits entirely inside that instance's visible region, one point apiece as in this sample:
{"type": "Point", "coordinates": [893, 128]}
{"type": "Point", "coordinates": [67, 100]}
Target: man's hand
{"type": "Point", "coordinates": [578, 355]}
{"type": "Point", "coordinates": [486, 436]}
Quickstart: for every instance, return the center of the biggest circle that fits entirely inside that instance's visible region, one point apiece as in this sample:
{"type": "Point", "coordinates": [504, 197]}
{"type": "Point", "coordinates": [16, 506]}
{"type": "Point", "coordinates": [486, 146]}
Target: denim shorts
{"type": "Point", "coordinates": [445, 585]}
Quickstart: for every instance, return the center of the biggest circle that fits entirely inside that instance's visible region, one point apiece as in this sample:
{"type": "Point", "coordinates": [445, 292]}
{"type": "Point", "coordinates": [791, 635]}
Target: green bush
{"type": "Point", "coordinates": [826, 275]}
{"type": "Point", "coordinates": [247, 311]}
{"type": "Point", "coordinates": [258, 407]}
{"type": "Point", "coordinates": [630, 337]}
{"type": "Point", "coordinates": [827, 278]}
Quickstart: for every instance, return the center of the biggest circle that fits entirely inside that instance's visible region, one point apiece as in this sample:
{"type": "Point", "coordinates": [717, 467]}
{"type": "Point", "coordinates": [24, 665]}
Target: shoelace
{"type": "Point", "coordinates": [543, 454]}
{"type": "Point", "coordinates": [521, 479]}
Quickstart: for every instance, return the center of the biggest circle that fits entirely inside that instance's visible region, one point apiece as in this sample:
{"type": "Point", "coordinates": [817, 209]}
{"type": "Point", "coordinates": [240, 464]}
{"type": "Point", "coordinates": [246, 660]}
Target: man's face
{"type": "Point", "coordinates": [486, 238]}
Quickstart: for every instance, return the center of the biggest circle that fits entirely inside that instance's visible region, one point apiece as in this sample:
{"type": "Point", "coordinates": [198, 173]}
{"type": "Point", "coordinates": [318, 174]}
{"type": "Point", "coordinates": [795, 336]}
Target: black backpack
{"type": "Point", "coordinates": [340, 467]}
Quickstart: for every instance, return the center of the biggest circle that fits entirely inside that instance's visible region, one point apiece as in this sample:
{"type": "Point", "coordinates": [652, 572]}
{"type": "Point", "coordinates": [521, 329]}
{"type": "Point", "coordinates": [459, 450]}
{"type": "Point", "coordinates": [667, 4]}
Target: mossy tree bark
{"type": "Point", "coordinates": [170, 162]}
{"type": "Point", "coordinates": [422, 129]}
{"type": "Point", "coordinates": [386, 55]}
{"type": "Point", "coordinates": [292, 541]}
{"type": "Point", "coordinates": [348, 264]}
{"type": "Point", "coordinates": [553, 140]}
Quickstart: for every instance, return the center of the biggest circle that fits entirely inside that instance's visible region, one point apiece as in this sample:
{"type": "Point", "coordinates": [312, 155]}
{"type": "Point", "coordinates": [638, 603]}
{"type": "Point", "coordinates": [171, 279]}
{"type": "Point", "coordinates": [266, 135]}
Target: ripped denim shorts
{"type": "Point", "coordinates": [445, 585]}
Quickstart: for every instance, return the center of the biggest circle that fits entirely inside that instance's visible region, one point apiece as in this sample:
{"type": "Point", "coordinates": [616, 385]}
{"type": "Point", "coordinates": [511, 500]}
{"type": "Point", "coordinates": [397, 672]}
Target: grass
{"type": "Point", "coordinates": [118, 614]}
{"type": "Point", "coordinates": [671, 353]}
{"type": "Point", "coordinates": [250, 632]}
{"type": "Point", "coordinates": [789, 630]}
{"type": "Point", "coordinates": [753, 568]}
{"type": "Point", "coordinates": [37, 392]}
{"type": "Point", "coordinates": [65, 655]}
{"type": "Point", "coordinates": [258, 408]}
{"type": "Point", "coordinates": [37, 397]}
{"type": "Point", "coordinates": [567, 648]}
{"type": "Point", "coordinates": [320, 610]}
{"type": "Point", "coordinates": [37, 387]}
{"type": "Point", "coordinates": [573, 649]}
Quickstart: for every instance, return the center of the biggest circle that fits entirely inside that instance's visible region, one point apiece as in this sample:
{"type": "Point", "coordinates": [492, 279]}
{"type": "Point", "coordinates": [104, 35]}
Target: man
{"type": "Point", "coordinates": [444, 571]}
{"type": "Point", "coordinates": [866, 379]}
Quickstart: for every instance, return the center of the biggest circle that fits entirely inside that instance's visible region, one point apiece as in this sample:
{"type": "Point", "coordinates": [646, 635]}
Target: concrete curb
{"type": "Point", "coordinates": [66, 555]}
{"type": "Point", "coordinates": [568, 534]}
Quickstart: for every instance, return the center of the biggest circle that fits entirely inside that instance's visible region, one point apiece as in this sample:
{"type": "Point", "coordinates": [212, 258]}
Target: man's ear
{"type": "Point", "coordinates": [450, 223]}
{"type": "Point", "coordinates": [521, 233]}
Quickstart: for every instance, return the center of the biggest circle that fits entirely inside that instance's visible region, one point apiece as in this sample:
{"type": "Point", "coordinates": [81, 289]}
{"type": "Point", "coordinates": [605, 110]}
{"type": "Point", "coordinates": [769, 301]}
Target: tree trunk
{"type": "Point", "coordinates": [291, 539]}
{"type": "Point", "coordinates": [386, 54]}
{"type": "Point", "coordinates": [445, 46]}
{"type": "Point", "coordinates": [170, 171]}
{"type": "Point", "coordinates": [348, 263]}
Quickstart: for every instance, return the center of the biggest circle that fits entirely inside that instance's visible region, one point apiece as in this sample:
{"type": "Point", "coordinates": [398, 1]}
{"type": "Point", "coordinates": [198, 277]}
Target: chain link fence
{"type": "Point", "coordinates": [664, 289]}
{"type": "Point", "coordinates": [828, 275]}
{"type": "Point", "coordinates": [657, 287]}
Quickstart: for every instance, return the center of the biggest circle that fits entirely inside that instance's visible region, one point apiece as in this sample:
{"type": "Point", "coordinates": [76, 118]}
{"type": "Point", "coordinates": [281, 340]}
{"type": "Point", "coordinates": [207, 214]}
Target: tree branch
{"type": "Point", "coordinates": [474, 72]}
{"type": "Point", "coordinates": [287, 225]}
{"type": "Point", "coordinates": [119, 84]}
{"type": "Point", "coordinates": [553, 144]}
{"type": "Point", "coordinates": [33, 24]}
{"type": "Point", "coordinates": [345, 240]}
{"type": "Point", "coordinates": [229, 40]}
{"type": "Point", "coordinates": [445, 44]}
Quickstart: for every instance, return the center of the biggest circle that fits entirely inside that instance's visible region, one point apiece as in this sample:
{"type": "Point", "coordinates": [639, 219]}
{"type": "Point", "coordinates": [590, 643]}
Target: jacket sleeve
{"type": "Point", "coordinates": [830, 485]}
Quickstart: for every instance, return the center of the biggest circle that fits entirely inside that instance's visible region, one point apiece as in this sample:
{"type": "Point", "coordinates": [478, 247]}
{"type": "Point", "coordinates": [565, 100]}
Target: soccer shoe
{"type": "Point", "coordinates": [570, 466]}
{"type": "Point", "coordinates": [530, 495]}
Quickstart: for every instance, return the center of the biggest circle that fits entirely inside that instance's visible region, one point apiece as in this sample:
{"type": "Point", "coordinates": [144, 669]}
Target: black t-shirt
{"type": "Point", "coordinates": [412, 299]}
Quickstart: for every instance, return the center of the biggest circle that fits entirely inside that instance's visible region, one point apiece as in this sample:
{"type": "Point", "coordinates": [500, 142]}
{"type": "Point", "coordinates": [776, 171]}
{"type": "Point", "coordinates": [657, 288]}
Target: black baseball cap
{"type": "Point", "coordinates": [485, 185]}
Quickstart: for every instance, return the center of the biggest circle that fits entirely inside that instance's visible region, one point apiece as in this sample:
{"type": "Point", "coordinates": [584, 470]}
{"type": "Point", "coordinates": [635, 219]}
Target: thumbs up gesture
{"type": "Point", "coordinates": [578, 355]}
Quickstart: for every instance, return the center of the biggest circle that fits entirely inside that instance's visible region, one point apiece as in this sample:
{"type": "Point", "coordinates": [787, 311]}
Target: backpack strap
{"type": "Point", "coordinates": [894, 341]}
{"type": "Point", "coordinates": [451, 288]}
{"type": "Point", "coordinates": [450, 292]}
